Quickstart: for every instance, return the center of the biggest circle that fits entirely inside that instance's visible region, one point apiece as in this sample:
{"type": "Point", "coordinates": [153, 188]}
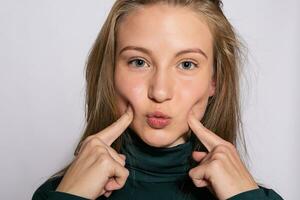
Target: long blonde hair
{"type": "Point", "coordinates": [222, 114]}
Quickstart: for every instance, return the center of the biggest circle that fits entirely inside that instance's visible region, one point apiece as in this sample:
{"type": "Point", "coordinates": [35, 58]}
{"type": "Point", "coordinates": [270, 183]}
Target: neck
{"type": "Point", "coordinates": [156, 164]}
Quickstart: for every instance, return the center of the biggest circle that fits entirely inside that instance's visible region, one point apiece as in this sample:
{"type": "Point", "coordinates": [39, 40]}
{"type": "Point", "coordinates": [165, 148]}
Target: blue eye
{"type": "Point", "coordinates": [138, 62]}
{"type": "Point", "coordinates": [187, 65]}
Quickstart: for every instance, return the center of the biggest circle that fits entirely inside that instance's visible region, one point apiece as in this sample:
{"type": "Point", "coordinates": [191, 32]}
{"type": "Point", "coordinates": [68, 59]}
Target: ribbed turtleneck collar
{"type": "Point", "coordinates": [156, 164]}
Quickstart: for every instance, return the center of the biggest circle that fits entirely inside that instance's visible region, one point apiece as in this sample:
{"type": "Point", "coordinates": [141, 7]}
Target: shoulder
{"type": "Point", "coordinates": [269, 192]}
{"type": "Point", "coordinates": [262, 193]}
{"type": "Point", "coordinates": [44, 190]}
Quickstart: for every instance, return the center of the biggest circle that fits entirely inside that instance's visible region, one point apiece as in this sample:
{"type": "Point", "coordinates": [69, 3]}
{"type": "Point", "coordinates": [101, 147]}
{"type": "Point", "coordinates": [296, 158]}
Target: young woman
{"type": "Point", "coordinates": [162, 109]}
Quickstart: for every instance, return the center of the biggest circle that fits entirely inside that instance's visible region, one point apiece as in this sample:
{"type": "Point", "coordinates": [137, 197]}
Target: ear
{"type": "Point", "coordinates": [212, 88]}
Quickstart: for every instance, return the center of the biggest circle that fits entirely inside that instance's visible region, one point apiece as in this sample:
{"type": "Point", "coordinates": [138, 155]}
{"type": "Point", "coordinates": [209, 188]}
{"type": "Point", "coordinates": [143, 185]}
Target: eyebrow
{"type": "Point", "coordinates": [144, 50]}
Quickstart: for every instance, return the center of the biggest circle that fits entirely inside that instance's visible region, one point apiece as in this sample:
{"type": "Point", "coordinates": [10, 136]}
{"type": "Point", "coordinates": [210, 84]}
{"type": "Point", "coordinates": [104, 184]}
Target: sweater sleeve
{"type": "Point", "coordinates": [260, 193]}
{"type": "Point", "coordinates": [47, 192]}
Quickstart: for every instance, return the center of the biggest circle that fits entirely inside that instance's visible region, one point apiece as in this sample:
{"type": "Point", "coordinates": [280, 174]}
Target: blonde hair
{"type": "Point", "coordinates": [222, 114]}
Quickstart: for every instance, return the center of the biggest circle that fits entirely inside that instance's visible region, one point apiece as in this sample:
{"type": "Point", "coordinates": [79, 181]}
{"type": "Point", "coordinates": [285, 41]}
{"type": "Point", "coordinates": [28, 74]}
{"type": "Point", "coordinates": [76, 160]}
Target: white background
{"type": "Point", "coordinates": [43, 49]}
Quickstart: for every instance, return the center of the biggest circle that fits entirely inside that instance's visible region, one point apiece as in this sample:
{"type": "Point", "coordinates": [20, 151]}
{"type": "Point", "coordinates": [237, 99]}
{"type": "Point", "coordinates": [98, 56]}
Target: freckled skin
{"type": "Point", "coordinates": [161, 83]}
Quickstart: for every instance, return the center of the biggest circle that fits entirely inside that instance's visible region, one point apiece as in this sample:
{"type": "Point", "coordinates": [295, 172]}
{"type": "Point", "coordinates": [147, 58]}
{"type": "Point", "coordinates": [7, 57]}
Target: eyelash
{"type": "Point", "coordinates": [133, 60]}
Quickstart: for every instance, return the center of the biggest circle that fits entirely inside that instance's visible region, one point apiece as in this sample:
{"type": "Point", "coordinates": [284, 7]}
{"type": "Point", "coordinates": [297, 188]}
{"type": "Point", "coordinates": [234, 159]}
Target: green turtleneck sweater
{"type": "Point", "coordinates": [154, 173]}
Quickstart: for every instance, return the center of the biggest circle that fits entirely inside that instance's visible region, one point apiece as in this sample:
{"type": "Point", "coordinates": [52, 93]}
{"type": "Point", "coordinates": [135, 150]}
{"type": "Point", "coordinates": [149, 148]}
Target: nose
{"type": "Point", "coordinates": [161, 86]}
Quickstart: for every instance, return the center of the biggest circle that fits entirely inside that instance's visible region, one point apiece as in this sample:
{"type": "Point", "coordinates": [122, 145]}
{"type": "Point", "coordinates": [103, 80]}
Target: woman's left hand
{"type": "Point", "coordinates": [221, 169]}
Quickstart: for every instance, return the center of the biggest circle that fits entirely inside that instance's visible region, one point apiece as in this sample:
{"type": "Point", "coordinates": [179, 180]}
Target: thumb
{"type": "Point", "coordinates": [112, 184]}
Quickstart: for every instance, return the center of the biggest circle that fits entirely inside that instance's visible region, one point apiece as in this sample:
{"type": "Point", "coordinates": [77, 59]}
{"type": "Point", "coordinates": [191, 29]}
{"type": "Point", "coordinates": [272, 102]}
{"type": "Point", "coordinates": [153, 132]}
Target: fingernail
{"type": "Point", "coordinates": [129, 109]}
{"type": "Point", "coordinates": [192, 112]}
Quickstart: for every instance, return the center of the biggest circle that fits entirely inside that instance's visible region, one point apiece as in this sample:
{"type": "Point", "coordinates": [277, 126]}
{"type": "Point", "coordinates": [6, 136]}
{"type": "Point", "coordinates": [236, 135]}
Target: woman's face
{"type": "Point", "coordinates": [164, 63]}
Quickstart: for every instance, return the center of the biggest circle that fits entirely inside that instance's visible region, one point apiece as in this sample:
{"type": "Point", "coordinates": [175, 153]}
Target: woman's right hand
{"type": "Point", "coordinates": [98, 169]}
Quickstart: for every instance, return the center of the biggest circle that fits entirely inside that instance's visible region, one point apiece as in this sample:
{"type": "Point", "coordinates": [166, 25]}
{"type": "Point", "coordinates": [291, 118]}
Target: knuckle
{"type": "Point", "coordinates": [99, 150]}
{"type": "Point", "coordinates": [112, 150]}
{"type": "Point", "coordinates": [225, 148]}
{"type": "Point", "coordinates": [123, 163]}
{"type": "Point", "coordinates": [215, 165]}
{"type": "Point", "coordinates": [126, 172]}
{"type": "Point", "coordinates": [123, 177]}
{"type": "Point", "coordinates": [231, 147]}
{"type": "Point", "coordinates": [221, 148]}
{"type": "Point", "coordinates": [104, 159]}
{"type": "Point", "coordinates": [94, 141]}
{"type": "Point", "coordinates": [229, 144]}
{"type": "Point", "coordinates": [191, 173]}
{"type": "Point", "coordinates": [197, 182]}
{"type": "Point", "coordinates": [218, 156]}
{"type": "Point", "coordinates": [89, 137]}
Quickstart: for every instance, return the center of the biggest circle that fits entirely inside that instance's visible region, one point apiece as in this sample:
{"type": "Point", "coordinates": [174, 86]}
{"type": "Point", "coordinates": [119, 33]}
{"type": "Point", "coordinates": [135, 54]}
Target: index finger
{"type": "Point", "coordinates": [112, 132]}
{"type": "Point", "coordinates": [207, 137]}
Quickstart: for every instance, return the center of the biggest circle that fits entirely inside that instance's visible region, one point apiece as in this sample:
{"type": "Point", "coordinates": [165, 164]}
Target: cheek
{"type": "Point", "coordinates": [195, 98]}
{"type": "Point", "coordinates": [129, 91]}
{"type": "Point", "coordinates": [199, 108]}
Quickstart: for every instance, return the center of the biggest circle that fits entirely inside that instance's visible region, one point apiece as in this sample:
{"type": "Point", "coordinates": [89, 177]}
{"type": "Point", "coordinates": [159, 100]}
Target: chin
{"type": "Point", "coordinates": [159, 137]}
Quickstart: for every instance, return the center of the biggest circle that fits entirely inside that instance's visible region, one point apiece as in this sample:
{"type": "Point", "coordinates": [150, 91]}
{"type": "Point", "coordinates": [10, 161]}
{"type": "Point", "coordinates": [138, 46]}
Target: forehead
{"type": "Point", "coordinates": [163, 26]}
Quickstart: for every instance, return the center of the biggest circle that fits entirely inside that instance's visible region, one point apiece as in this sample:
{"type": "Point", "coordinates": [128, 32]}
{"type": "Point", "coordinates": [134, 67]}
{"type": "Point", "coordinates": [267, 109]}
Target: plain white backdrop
{"type": "Point", "coordinates": [43, 49]}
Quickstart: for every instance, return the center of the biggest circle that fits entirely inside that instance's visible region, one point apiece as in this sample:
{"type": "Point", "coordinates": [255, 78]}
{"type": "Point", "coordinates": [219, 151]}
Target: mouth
{"type": "Point", "coordinates": [158, 120]}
